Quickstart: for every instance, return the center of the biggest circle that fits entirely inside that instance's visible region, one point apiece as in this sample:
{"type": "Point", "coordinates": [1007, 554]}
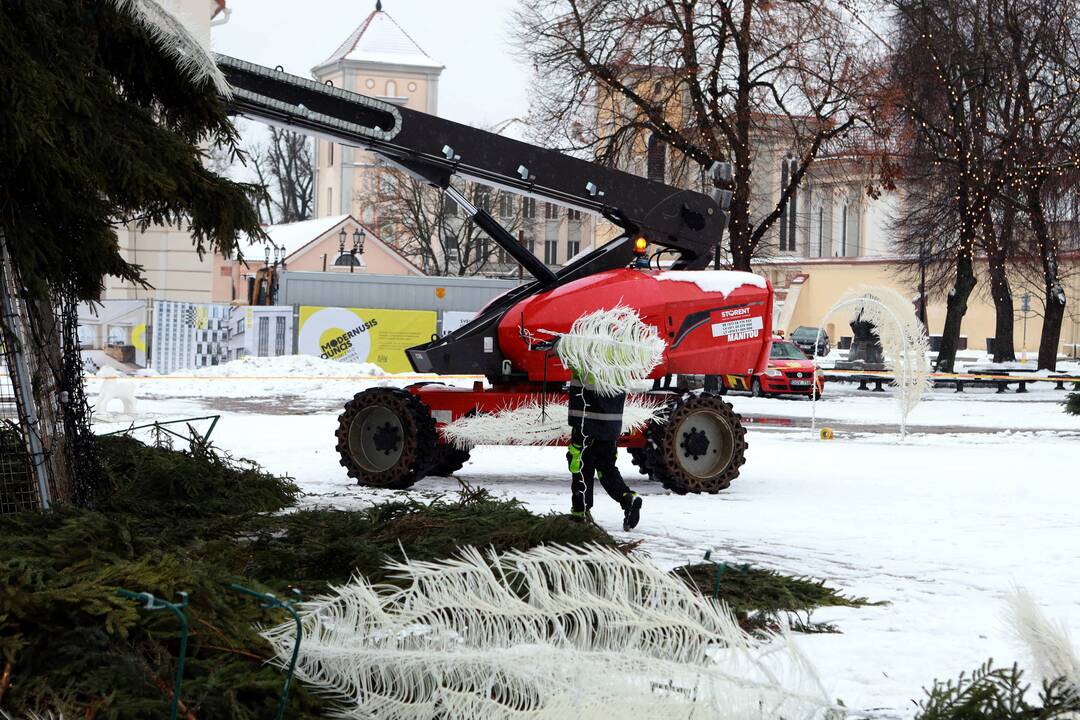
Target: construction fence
{"type": "Point", "coordinates": [388, 314]}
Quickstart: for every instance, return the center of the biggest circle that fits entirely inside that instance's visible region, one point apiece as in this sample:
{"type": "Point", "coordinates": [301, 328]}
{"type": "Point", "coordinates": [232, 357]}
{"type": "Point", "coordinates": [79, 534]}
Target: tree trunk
{"type": "Point", "coordinates": [1054, 303]}
{"type": "Point", "coordinates": [1001, 292]}
{"type": "Point", "coordinates": [1053, 314]}
{"type": "Point", "coordinates": [997, 245]}
{"type": "Point", "coordinates": [955, 311]}
{"type": "Point", "coordinates": [740, 230]}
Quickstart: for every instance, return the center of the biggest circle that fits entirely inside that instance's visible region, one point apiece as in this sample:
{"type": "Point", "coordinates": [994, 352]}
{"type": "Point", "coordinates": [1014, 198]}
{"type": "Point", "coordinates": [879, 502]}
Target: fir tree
{"type": "Point", "coordinates": [100, 127]}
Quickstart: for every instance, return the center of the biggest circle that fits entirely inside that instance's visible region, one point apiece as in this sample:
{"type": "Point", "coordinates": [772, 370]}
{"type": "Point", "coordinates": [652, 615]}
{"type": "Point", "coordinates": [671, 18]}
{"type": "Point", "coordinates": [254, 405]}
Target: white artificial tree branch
{"type": "Point", "coordinates": [552, 632]}
{"type": "Point", "coordinates": [537, 423]}
{"type": "Point", "coordinates": [614, 348]}
{"type": "Point", "coordinates": [174, 38]}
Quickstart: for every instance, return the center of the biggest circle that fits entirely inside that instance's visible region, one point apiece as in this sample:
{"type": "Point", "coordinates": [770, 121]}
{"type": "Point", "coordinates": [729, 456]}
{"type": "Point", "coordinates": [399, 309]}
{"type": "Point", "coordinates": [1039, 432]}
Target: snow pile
{"type": "Point", "coordinates": [553, 632]}
{"type": "Point", "coordinates": [284, 366]}
{"type": "Point", "coordinates": [718, 281]}
{"type": "Point", "coordinates": [533, 424]}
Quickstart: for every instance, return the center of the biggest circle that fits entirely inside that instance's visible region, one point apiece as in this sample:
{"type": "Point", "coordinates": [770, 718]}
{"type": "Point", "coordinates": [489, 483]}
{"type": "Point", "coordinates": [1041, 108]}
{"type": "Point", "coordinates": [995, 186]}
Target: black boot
{"type": "Point", "coordinates": [581, 516]}
{"type": "Point", "coordinates": [631, 512]}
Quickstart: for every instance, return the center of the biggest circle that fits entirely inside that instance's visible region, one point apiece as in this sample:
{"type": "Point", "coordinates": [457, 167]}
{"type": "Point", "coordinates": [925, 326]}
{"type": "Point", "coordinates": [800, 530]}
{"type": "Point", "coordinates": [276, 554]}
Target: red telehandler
{"type": "Point", "coordinates": [714, 322]}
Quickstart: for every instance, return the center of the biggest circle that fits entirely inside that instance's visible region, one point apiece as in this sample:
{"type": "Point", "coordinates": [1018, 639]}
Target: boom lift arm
{"type": "Point", "coordinates": [434, 150]}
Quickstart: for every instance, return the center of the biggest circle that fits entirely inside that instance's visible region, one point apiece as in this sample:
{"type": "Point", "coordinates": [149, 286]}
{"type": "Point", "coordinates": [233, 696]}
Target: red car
{"type": "Point", "coordinates": [789, 372]}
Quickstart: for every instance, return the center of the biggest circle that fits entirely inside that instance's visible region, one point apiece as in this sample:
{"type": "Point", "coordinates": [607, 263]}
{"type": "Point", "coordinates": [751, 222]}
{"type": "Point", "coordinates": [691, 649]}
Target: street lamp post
{"type": "Point", "coordinates": [357, 247]}
{"type": "Point", "coordinates": [922, 284]}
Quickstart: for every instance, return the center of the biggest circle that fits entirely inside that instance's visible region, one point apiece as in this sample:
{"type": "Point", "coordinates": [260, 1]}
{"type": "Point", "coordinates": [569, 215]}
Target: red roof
{"type": "Point", "coordinates": [220, 7]}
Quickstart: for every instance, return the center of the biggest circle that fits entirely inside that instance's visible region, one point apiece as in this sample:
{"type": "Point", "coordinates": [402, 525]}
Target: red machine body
{"type": "Point", "coordinates": [714, 323]}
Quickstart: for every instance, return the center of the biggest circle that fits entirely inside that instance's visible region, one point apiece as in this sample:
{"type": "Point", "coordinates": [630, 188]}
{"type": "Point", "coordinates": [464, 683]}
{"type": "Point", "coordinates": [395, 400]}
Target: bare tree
{"type": "Point", "coordinates": [704, 80]}
{"type": "Point", "coordinates": [1041, 42]}
{"type": "Point", "coordinates": [947, 75]}
{"type": "Point", "coordinates": [283, 165]}
{"type": "Point", "coordinates": [428, 228]}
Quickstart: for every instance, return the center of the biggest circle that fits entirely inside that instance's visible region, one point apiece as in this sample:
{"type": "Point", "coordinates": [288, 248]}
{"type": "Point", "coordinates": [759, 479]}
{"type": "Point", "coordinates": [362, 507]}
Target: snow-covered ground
{"type": "Point", "coordinates": [981, 497]}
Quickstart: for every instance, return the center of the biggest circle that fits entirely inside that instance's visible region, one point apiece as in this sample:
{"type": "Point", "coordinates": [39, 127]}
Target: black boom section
{"type": "Point", "coordinates": [435, 149]}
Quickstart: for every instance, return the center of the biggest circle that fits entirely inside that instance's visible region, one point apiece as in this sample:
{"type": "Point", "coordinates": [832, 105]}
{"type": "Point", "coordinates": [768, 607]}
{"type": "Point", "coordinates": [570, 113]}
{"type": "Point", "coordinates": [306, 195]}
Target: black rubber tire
{"type": "Point", "coordinates": [661, 448]}
{"type": "Point", "coordinates": [417, 438]}
{"type": "Point", "coordinates": [639, 457]}
{"type": "Point", "coordinates": [755, 388]}
{"type": "Point", "coordinates": [448, 460]}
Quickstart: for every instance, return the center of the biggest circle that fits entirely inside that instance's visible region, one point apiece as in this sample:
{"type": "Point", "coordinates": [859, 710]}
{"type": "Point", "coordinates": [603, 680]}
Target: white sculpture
{"type": "Point", "coordinates": [553, 632]}
{"type": "Point", "coordinates": [113, 388]}
{"type": "Point", "coordinates": [903, 340]}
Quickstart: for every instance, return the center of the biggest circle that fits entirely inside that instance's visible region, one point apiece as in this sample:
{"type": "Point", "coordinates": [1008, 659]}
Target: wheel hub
{"type": "Point", "coordinates": [705, 446]}
{"type": "Point", "coordinates": [376, 438]}
{"type": "Point", "coordinates": [695, 442]}
{"type": "Point", "coordinates": [386, 438]}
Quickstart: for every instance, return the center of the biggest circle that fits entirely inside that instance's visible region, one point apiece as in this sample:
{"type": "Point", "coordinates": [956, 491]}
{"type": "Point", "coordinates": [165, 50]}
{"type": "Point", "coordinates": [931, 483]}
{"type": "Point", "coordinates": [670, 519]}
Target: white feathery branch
{"type": "Point", "coordinates": [552, 632]}
{"type": "Point", "coordinates": [536, 423]}
{"type": "Point", "coordinates": [903, 340]}
{"type": "Point", "coordinates": [1052, 653]}
{"type": "Point", "coordinates": [174, 38]}
{"type": "Point", "coordinates": [614, 348]}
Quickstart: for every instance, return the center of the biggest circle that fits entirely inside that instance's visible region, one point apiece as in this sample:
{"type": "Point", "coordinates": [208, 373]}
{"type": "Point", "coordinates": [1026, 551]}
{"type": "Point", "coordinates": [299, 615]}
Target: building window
{"type": "Point", "coordinates": [821, 232]}
{"type": "Point", "coordinates": [329, 201]}
{"type": "Point", "coordinates": [369, 215]}
{"type": "Point", "coordinates": [551, 251]}
{"type": "Point", "coordinates": [551, 211]}
{"type": "Point", "coordinates": [844, 231]}
{"type": "Point", "coordinates": [573, 234]}
{"type": "Point", "coordinates": [506, 205]}
{"type": "Point", "coordinates": [331, 152]}
{"type": "Point", "coordinates": [851, 230]}
{"type": "Point", "coordinates": [450, 245]}
{"type": "Point", "coordinates": [482, 198]}
{"type": "Point", "coordinates": [264, 336]}
{"type": "Point", "coordinates": [279, 336]}
{"type": "Point", "coordinates": [391, 88]}
{"type": "Point", "coordinates": [347, 259]}
{"type": "Point", "coordinates": [788, 226]}
{"type": "Point", "coordinates": [528, 208]}
{"type": "Point", "coordinates": [656, 154]}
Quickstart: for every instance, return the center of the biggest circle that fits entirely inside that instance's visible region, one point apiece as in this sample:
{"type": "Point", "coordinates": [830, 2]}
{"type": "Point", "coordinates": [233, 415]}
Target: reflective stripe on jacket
{"type": "Point", "coordinates": [594, 415]}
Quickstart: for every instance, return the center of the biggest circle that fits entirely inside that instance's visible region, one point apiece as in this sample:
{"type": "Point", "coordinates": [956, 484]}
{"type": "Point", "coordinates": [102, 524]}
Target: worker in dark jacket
{"type": "Point", "coordinates": [595, 427]}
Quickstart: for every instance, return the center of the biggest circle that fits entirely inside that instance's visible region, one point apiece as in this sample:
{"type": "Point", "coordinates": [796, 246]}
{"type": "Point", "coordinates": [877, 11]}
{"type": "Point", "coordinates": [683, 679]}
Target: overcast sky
{"type": "Point", "coordinates": [483, 82]}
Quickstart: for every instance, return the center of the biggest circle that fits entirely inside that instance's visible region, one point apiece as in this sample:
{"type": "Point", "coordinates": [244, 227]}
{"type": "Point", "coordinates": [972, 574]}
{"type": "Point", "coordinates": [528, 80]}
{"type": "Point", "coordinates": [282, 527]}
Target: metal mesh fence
{"type": "Point", "coordinates": [35, 428]}
{"type": "Point", "coordinates": [17, 489]}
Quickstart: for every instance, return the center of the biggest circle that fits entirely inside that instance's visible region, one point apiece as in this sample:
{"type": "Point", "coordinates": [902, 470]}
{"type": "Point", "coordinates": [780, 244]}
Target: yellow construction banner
{"type": "Point", "coordinates": [364, 334]}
